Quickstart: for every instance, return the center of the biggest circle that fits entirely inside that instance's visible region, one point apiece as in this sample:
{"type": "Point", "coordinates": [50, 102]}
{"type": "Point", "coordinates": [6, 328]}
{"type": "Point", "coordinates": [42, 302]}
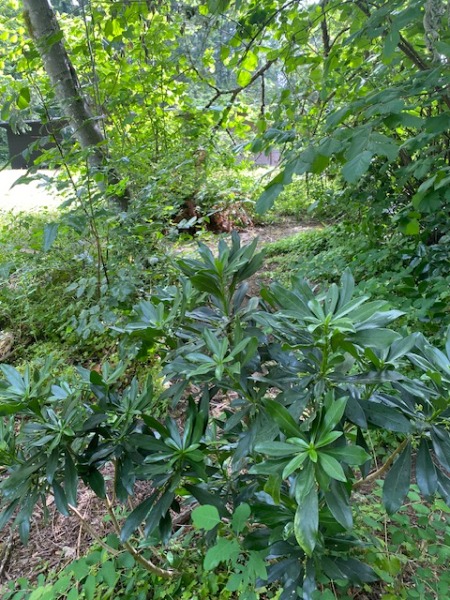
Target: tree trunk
{"type": "Point", "coordinates": [46, 34]}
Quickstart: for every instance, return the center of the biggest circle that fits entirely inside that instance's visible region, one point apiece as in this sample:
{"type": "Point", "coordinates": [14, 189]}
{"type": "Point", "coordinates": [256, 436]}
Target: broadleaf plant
{"type": "Point", "coordinates": [276, 399]}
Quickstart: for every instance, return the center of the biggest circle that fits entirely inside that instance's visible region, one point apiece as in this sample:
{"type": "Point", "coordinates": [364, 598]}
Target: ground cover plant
{"type": "Point", "coordinates": [267, 480]}
{"type": "Point", "coordinates": [405, 271]}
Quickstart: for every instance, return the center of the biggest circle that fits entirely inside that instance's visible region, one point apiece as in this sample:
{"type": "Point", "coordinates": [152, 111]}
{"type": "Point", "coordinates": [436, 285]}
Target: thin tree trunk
{"type": "Point", "coordinates": [46, 34]}
{"type": "Point", "coordinates": [325, 33]}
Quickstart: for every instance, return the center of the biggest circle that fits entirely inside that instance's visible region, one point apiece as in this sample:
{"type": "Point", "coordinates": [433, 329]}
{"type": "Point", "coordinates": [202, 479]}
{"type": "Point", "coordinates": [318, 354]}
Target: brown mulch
{"type": "Point", "coordinates": [57, 540]}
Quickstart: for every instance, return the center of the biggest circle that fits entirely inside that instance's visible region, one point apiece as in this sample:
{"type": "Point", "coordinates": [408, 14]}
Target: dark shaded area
{"type": "Point", "coordinates": [28, 146]}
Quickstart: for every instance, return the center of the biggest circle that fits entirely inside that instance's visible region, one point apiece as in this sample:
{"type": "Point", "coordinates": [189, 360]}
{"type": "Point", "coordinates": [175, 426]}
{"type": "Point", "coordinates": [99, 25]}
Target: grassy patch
{"type": "Point", "coordinates": [402, 270]}
{"type": "Point", "coordinates": [410, 549]}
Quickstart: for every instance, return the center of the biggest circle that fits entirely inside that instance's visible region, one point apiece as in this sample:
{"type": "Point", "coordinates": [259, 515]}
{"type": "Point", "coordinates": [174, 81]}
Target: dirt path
{"type": "Point", "coordinates": [265, 234]}
{"type": "Point", "coordinates": [272, 233]}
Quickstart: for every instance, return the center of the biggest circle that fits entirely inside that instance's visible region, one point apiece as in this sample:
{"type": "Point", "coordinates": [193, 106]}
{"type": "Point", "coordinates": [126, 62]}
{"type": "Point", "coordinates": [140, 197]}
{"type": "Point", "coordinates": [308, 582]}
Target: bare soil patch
{"type": "Point", "coordinates": [272, 233]}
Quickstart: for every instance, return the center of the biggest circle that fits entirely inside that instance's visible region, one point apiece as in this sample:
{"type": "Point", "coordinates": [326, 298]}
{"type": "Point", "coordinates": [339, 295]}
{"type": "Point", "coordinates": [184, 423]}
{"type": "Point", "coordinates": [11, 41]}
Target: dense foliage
{"type": "Point", "coordinates": [306, 377]}
{"type": "Point", "coordinates": [232, 436]}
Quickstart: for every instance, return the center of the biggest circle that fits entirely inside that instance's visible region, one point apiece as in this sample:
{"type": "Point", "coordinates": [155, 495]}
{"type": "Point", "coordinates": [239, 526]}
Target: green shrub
{"type": "Point", "coordinates": [403, 271]}
{"type": "Point", "coordinates": [65, 277]}
{"type": "Point", "coordinates": [276, 397]}
{"type": "Point", "coordinates": [309, 199]}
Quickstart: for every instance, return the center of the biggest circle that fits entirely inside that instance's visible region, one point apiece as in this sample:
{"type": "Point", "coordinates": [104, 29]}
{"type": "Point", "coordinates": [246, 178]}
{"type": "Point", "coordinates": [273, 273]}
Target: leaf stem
{"type": "Point", "coordinates": [147, 564]}
{"type": "Point", "coordinates": [88, 527]}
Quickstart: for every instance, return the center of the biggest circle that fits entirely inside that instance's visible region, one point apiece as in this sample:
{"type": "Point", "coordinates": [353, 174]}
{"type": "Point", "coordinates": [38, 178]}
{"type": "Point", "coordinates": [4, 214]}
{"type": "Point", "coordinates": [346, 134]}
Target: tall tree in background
{"type": "Point", "coordinates": [44, 30]}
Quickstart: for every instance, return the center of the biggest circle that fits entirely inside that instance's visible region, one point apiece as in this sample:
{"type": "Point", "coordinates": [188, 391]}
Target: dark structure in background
{"type": "Point", "coordinates": [25, 148]}
{"type": "Point", "coordinates": [272, 159]}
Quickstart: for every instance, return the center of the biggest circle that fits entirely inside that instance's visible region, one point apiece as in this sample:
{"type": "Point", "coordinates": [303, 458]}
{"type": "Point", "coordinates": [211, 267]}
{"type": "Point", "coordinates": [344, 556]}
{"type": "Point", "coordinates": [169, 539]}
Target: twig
{"type": "Point", "coordinates": [379, 472]}
{"type": "Point", "coordinates": [92, 531]}
{"type": "Point", "coordinates": [79, 533]}
{"type": "Point", "coordinates": [235, 91]}
{"type": "Point", "coordinates": [7, 548]}
{"type": "Point", "coordinates": [147, 564]}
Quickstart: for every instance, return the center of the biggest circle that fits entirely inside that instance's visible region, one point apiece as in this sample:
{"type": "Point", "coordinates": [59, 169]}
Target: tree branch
{"type": "Point", "coordinates": [324, 28]}
{"type": "Point", "coordinates": [410, 52]}
{"type": "Point", "coordinates": [237, 90]}
{"type": "Point", "coordinates": [87, 526]}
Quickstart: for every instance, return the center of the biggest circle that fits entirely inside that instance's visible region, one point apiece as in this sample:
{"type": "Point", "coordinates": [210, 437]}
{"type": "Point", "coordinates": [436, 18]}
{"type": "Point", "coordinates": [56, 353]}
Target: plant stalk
{"type": "Point", "coordinates": [382, 470]}
{"type": "Point", "coordinates": [147, 564]}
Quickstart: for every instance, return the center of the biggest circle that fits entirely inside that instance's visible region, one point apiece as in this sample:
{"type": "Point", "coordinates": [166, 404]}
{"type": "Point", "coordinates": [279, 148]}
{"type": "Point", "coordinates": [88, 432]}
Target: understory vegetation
{"type": "Point", "coordinates": [225, 358]}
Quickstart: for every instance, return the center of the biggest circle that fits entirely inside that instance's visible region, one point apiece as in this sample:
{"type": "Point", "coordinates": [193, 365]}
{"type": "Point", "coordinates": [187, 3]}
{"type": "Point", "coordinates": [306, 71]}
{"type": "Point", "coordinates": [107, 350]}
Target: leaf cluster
{"type": "Point", "coordinates": [302, 379]}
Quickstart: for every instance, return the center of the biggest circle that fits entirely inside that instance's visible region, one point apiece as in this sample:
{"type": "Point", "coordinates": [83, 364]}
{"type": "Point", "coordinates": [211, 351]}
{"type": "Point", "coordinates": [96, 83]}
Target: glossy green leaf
{"type": "Point", "coordinates": [387, 417]}
{"type": "Point", "coordinates": [351, 455]}
{"type": "Point", "coordinates": [273, 485]}
{"type": "Point", "coordinates": [397, 482]}
{"type": "Point", "coordinates": [14, 379]}
{"type": "Point", "coordinates": [294, 464]}
{"type": "Point", "coordinates": [282, 418]}
{"type": "Point", "coordinates": [70, 480]}
{"type": "Point", "coordinates": [96, 482]}
{"type": "Point", "coordinates": [205, 497]}
{"type": "Point", "coordinates": [338, 502]}
{"type": "Point", "coordinates": [331, 466]}
{"type": "Point", "coordinates": [7, 513]}
{"type": "Point", "coordinates": [426, 475]}
{"type": "Point", "coordinates": [348, 569]}
{"type": "Point", "coordinates": [60, 498]}
{"type": "Point", "coordinates": [136, 517]}
{"type": "Point", "coordinates": [333, 415]}
{"type": "Point", "coordinates": [277, 448]}
{"type": "Point", "coordinates": [441, 446]}
{"type": "Point", "coordinates": [306, 522]}
{"type": "Point", "coordinates": [375, 338]}
{"type": "Point", "coordinates": [328, 438]}
{"type": "Point", "coordinates": [158, 515]}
